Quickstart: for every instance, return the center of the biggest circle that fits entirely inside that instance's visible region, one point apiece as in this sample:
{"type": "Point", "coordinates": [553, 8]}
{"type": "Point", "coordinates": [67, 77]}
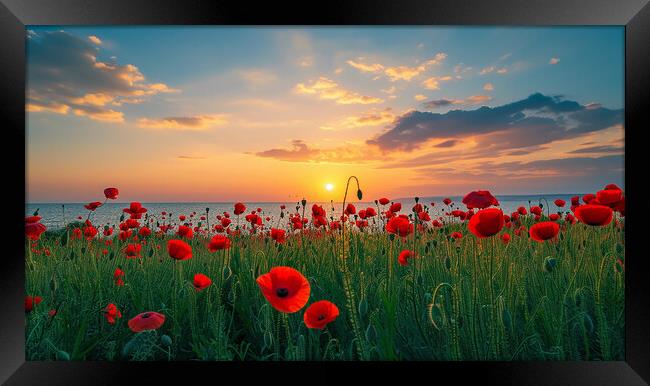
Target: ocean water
{"type": "Point", "coordinates": [56, 215]}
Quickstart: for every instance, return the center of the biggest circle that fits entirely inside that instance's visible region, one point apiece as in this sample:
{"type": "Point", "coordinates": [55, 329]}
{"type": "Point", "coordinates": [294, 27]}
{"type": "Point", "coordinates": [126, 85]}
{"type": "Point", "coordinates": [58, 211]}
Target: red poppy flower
{"type": "Point", "coordinates": [480, 199]}
{"type": "Point", "coordinates": [135, 210]}
{"type": "Point", "coordinates": [424, 216]}
{"type": "Point", "coordinates": [93, 205]}
{"type": "Point", "coordinates": [118, 276]}
{"type": "Point", "coordinates": [384, 201]}
{"type": "Point", "coordinates": [31, 301]}
{"type": "Point", "coordinates": [201, 281]}
{"type": "Point", "coordinates": [560, 203]}
{"type": "Point", "coordinates": [144, 232]}
{"type": "Point", "coordinates": [543, 231]}
{"type": "Point", "coordinates": [536, 210]}
{"type": "Point", "coordinates": [486, 223]}
{"type": "Point", "coordinates": [111, 193]}
{"type": "Point", "coordinates": [505, 238]}
{"type": "Point", "coordinates": [51, 313]}
{"type": "Point", "coordinates": [588, 197]}
{"type": "Point", "coordinates": [218, 242]}
{"type": "Point", "coordinates": [457, 235]}
{"type": "Point", "coordinates": [285, 288]}
{"type": "Point", "coordinates": [404, 256]}
{"type": "Point", "coordinates": [334, 225]}
{"type": "Point", "coordinates": [362, 214]}
{"type": "Point", "coordinates": [361, 224]}
{"type": "Point", "coordinates": [447, 201]}
{"type": "Point", "coordinates": [400, 225]}
{"type": "Point", "coordinates": [570, 218]}
{"type": "Point", "coordinates": [182, 217]}
{"type": "Point", "coordinates": [278, 235]}
{"type": "Point", "coordinates": [395, 207]}
{"type": "Point", "coordinates": [371, 212]}
{"type": "Point", "coordinates": [417, 208]}
{"type": "Point", "coordinates": [112, 313]}
{"type": "Point", "coordinates": [146, 321]}
{"type": "Point", "coordinates": [609, 197]}
{"type": "Point", "coordinates": [594, 215]}
{"type": "Point", "coordinates": [184, 231]}
{"type": "Point", "coordinates": [620, 206]}
{"type": "Point", "coordinates": [436, 223]}
{"type": "Point", "coordinates": [514, 216]}
{"type": "Point", "coordinates": [132, 251]}
{"type": "Point", "coordinates": [522, 210]}
{"type": "Point", "coordinates": [575, 200]}
{"type": "Point", "coordinates": [554, 216]}
{"type": "Point", "coordinates": [320, 313]}
{"type": "Point", "coordinates": [76, 233]}
{"type": "Point", "coordinates": [179, 250]}
{"type": "Point", "coordinates": [239, 208]}
{"type": "Point", "coordinates": [90, 232]}
{"type": "Point", "coordinates": [33, 228]}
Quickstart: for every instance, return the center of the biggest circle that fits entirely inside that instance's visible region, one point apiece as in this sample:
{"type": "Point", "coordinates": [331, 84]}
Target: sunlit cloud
{"type": "Point", "coordinates": [373, 118]}
{"type": "Point", "coordinates": [66, 77]}
{"type": "Point", "coordinates": [554, 61]}
{"type": "Point", "coordinates": [433, 83]}
{"type": "Point", "coordinates": [395, 73]}
{"type": "Point", "coordinates": [420, 97]}
{"type": "Point", "coordinates": [199, 122]}
{"type": "Point", "coordinates": [95, 39]}
{"type": "Point", "coordinates": [327, 89]}
{"type": "Point", "coordinates": [299, 151]}
{"type": "Point", "coordinates": [488, 87]}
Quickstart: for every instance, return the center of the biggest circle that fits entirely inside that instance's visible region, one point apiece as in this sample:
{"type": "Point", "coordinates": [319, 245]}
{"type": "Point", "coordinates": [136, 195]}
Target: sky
{"type": "Point", "coordinates": [219, 114]}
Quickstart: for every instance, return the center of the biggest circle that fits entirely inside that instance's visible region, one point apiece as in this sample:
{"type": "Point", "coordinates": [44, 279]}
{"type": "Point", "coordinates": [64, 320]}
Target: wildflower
{"type": "Point", "coordinates": [146, 321]}
{"type": "Point", "coordinates": [285, 288]}
{"type": "Point", "coordinates": [320, 313]}
{"type": "Point", "coordinates": [179, 250]}
{"type": "Point", "coordinates": [544, 231]}
{"type": "Point", "coordinates": [486, 223]}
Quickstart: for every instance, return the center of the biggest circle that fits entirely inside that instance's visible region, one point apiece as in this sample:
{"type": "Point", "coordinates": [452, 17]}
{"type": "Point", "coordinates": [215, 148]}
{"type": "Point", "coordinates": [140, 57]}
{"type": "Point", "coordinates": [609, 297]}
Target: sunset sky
{"type": "Point", "coordinates": [274, 114]}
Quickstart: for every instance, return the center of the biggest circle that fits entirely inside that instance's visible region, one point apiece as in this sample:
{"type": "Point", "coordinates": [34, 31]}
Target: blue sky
{"type": "Point", "coordinates": [325, 100]}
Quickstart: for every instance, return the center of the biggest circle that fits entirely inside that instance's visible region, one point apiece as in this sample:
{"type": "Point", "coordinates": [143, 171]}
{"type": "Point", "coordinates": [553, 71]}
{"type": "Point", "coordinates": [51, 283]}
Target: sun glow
{"type": "Point", "coordinates": [329, 187]}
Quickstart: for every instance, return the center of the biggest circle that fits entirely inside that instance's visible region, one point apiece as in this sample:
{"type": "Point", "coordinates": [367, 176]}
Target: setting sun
{"type": "Point", "coordinates": [329, 187]}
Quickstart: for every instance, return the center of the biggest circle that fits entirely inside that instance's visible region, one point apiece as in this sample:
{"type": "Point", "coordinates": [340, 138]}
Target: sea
{"type": "Point", "coordinates": [56, 215]}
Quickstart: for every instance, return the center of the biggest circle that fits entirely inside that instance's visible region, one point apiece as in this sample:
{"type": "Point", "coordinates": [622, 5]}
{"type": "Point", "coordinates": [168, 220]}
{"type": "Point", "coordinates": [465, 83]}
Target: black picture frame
{"type": "Point", "coordinates": [16, 14]}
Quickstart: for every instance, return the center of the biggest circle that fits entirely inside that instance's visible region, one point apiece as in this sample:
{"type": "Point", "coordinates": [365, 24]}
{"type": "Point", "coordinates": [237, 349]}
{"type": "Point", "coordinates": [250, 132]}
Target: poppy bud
{"type": "Point", "coordinates": [62, 356]}
{"type": "Point", "coordinates": [166, 340]}
{"type": "Point", "coordinates": [36, 212]}
{"type": "Point", "coordinates": [417, 199]}
{"type": "Point", "coordinates": [303, 202]}
{"type": "Point", "coordinates": [359, 194]}
{"type": "Point", "coordinates": [207, 210]}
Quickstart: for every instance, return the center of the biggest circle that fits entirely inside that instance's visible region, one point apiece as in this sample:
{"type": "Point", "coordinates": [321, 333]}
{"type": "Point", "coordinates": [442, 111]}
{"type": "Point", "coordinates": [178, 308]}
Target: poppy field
{"type": "Point", "coordinates": [427, 281]}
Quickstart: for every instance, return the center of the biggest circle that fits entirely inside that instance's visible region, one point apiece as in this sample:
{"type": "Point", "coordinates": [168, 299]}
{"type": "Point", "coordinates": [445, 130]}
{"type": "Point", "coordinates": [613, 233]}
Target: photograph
{"type": "Point", "coordinates": [349, 193]}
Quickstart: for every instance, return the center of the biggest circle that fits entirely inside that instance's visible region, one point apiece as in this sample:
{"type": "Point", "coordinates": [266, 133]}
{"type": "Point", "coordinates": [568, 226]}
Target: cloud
{"type": "Point", "coordinates": [448, 143]}
{"type": "Point", "coordinates": [95, 39]}
{"type": "Point", "coordinates": [420, 97]}
{"type": "Point", "coordinates": [471, 100]}
{"type": "Point", "coordinates": [490, 69]}
{"type": "Point", "coordinates": [256, 77]}
{"type": "Point", "coordinates": [199, 122]}
{"type": "Point", "coordinates": [190, 157]}
{"type": "Point", "coordinates": [433, 83]}
{"type": "Point", "coordinates": [533, 121]}
{"type": "Point", "coordinates": [299, 151]}
{"type": "Point", "coordinates": [584, 174]}
{"type": "Point", "coordinates": [395, 73]}
{"type": "Point", "coordinates": [327, 89]}
{"type": "Point", "coordinates": [375, 67]}
{"type": "Point", "coordinates": [65, 76]}
{"type": "Point", "coordinates": [373, 118]}
{"type": "Point", "coordinates": [488, 87]}
{"type": "Point", "coordinates": [598, 149]}
{"type": "Point", "coordinates": [554, 61]}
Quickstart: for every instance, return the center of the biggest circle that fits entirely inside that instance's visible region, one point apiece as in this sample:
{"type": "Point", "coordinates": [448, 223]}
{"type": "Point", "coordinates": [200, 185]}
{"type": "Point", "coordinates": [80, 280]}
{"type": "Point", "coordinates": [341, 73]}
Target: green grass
{"type": "Point", "coordinates": [461, 300]}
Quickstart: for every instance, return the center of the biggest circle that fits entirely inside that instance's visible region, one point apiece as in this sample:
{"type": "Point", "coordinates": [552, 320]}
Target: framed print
{"type": "Point", "coordinates": [422, 187]}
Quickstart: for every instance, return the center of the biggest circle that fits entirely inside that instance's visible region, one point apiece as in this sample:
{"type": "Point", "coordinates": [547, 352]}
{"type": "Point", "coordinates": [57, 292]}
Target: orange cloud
{"type": "Point", "coordinates": [329, 90]}
{"type": "Point", "coordinates": [200, 122]}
